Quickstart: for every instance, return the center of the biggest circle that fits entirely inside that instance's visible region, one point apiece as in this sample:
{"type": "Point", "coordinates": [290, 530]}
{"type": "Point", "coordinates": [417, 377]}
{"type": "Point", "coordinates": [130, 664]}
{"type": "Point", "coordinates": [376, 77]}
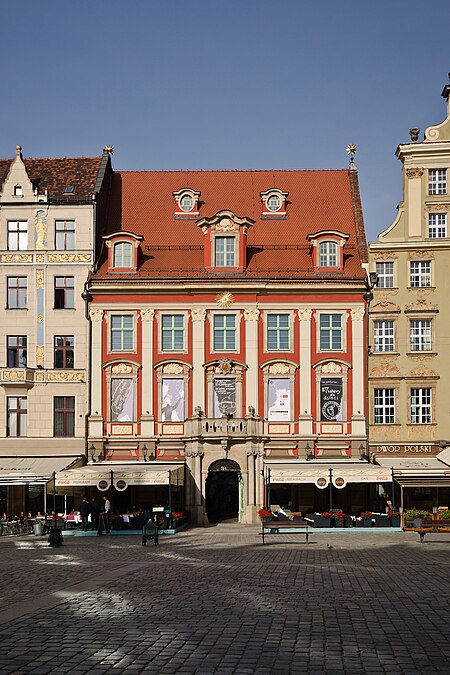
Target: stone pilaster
{"type": "Point", "coordinates": [251, 316]}
{"type": "Point", "coordinates": [147, 419]}
{"type": "Point", "coordinates": [305, 418]}
{"type": "Point", "coordinates": [198, 315]}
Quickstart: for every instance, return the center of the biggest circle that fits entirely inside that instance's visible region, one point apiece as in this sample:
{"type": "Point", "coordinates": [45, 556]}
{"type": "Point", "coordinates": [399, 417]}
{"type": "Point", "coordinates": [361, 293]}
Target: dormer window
{"type": "Point", "coordinates": [274, 203]}
{"type": "Point", "coordinates": [186, 203]}
{"type": "Point", "coordinates": [123, 249]}
{"type": "Point", "coordinates": [327, 250]}
{"type": "Point", "coordinates": [18, 191]}
{"type": "Point", "coordinates": [225, 252]}
{"type": "Point", "coordinates": [225, 241]}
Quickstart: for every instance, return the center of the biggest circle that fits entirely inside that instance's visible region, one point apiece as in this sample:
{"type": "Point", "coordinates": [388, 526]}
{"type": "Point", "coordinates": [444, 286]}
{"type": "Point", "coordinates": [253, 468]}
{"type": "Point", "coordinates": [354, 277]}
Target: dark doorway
{"type": "Point", "coordinates": [222, 491]}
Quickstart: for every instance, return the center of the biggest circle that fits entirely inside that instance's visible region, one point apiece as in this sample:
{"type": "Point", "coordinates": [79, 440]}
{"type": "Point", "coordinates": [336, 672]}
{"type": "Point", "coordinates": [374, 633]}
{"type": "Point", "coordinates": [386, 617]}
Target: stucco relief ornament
{"type": "Point", "coordinates": [198, 313]}
{"type": "Point", "coordinates": [332, 367]}
{"type": "Point", "coordinates": [385, 306]}
{"type": "Point", "coordinates": [122, 368]}
{"type": "Point", "coordinates": [225, 365]}
{"type": "Point", "coordinates": [173, 369]}
{"type": "Point", "coordinates": [225, 225]}
{"type": "Point", "coordinates": [414, 172]}
{"type": "Point", "coordinates": [357, 314]}
{"type": "Point", "coordinates": [251, 314]}
{"type": "Point", "coordinates": [41, 230]}
{"type": "Point", "coordinates": [147, 314]}
{"type": "Point", "coordinates": [279, 369]}
{"type": "Point", "coordinates": [225, 299]}
{"type": "Point", "coordinates": [304, 314]}
{"type": "Point", "coordinates": [385, 369]}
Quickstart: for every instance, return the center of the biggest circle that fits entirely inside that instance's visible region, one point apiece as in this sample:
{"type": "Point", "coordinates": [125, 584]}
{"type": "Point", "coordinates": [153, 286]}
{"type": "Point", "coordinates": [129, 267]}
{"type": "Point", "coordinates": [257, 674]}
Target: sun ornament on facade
{"type": "Point", "coordinates": [225, 299]}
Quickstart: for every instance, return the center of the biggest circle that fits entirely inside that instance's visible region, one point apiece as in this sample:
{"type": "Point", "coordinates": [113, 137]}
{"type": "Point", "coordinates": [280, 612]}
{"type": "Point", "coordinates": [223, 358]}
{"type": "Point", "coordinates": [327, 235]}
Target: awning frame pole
{"type": "Point", "coordinates": [331, 489]}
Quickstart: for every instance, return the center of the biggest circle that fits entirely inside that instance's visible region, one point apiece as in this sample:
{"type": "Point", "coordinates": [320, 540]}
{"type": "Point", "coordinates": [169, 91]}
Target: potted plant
{"type": "Point", "coordinates": [395, 518]}
{"type": "Point", "coordinates": [445, 515]}
{"type": "Point", "coordinates": [264, 514]}
{"type": "Point", "coordinates": [366, 518]}
{"type": "Point", "coordinates": [339, 519]}
{"type": "Point", "coordinates": [322, 519]}
{"type": "Point", "coordinates": [413, 515]}
{"type": "Point", "coordinates": [381, 520]}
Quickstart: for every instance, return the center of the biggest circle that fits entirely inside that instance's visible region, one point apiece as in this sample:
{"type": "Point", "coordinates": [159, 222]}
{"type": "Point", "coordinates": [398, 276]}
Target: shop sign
{"type": "Point", "coordinates": [405, 450]}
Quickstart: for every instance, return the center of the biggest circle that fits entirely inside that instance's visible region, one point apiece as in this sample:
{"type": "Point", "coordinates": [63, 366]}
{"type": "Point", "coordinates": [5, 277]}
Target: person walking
{"type": "Point", "coordinates": [107, 514]}
{"type": "Point", "coordinates": [85, 509]}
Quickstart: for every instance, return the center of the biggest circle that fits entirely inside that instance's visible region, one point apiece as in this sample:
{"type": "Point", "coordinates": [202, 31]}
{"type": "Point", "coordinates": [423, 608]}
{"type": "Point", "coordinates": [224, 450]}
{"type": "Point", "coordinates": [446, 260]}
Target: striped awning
{"type": "Point", "coordinates": [340, 473]}
{"type": "Point", "coordinates": [25, 470]}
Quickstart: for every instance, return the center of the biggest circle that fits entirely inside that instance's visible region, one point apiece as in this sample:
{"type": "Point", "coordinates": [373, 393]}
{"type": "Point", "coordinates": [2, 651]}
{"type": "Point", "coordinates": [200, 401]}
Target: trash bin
{"type": "Point", "coordinates": [55, 537]}
{"type": "Point", "coordinates": [38, 529]}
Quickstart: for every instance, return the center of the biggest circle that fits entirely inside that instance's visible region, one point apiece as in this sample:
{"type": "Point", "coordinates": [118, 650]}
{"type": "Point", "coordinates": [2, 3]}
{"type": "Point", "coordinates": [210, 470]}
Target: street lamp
{"type": "Point", "coordinates": [92, 452]}
{"type": "Point", "coordinates": [144, 452]}
{"type": "Point", "coordinates": [309, 452]}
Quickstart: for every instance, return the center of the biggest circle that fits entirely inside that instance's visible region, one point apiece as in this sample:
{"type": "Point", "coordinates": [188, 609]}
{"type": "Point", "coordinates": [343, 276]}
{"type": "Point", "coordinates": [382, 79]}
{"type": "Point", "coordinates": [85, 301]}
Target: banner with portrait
{"type": "Point", "coordinates": [172, 399]}
{"type": "Point", "coordinates": [224, 396]}
{"type": "Point", "coordinates": [279, 399]}
{"type": "Point", "coordinates": [331, 399]}
{"type": "Point", "coordinates": [122, 399]}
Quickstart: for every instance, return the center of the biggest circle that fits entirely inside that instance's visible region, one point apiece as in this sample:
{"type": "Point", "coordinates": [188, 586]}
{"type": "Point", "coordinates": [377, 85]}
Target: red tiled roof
{"type": "Point", "coordinates": [142, 202]}
{"type": "Point", "coordinates": [55, 174]}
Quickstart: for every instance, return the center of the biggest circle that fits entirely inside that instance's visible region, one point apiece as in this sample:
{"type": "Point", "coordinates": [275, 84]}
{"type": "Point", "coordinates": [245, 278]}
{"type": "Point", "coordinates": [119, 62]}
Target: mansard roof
{"type": "Point", "coordinates": [318, 200]}
{"type": "Point", "coordinates": [56, 174]}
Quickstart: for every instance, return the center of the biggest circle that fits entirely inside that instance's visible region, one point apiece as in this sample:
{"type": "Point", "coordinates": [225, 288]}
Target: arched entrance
{"type": "Point", "coordinates": [222, 490]}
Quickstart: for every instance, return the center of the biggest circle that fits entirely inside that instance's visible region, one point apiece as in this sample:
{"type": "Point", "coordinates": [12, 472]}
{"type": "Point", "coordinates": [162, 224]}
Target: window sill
{"type": "Point", "coordinates": [419, 352]}
{"type": "Point", "coordinates": [384, 353]}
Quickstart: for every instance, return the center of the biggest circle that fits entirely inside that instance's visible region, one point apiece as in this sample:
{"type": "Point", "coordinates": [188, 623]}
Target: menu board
{"type": "Point", "coordinates": [331, 399]}
{"type": "Point", "coordinates": [279, 399]}
{"type": "Point", "coordinates": [224, 396]}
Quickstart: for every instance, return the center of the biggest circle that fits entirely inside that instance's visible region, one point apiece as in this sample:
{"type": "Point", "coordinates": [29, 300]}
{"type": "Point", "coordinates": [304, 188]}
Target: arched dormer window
{"type": "Point", "coordinates": [327, 250]}
{"type": "Point", "coordinates": [187, 203]}
{"type": "Point", "coordinates": [225, 241]}
{"type": "Point", "coordinates": [123, 249]}
{"type": "Point", "coordinates": [273, 203]}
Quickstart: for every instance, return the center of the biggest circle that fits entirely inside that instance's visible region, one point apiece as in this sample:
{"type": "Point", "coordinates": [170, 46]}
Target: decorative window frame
{"type": "Point", "coordinates": [170, 312]}
{"type": "Point", "coordinates": [421, 310]}
{"type": "Point", "coordinates": [437, 183]}
{"type": "Point", "coordinates": [108, 323]}
{"type": "Point", "coordinates": [125, 369]}
{"type": "Point", "coordinates": [417, 259]}
{"type": "Point", "coordinates": [268, 213]}
{"type": "Point", "coordinates": [384, 385]}
{"type": "Point", "coordinates": [224, 368]}
{"type": "Point", "coordinates": [123, 236]}
{"type": "Point", "coordinates": [345, 316]}
{"type": "Point", "coordinates": [279, 369]}
{"type": "Point", "coordinates": [291, 314]}
{"type": "Point", "coordinates": [332, 368]}
{"type": "Point", "coordinates": [172, 370]}
{"type": "Point", "coordinates": [317, 238]}
{"type": "Point", "coordinates": [238, 318]}
{"type": "Point", "coordinates": [383, 319]}
{"type": "Point", "coordinates": [181, 213]}
{"type": "Point", "coordinates": [380, 257]}
{"type": "Point", "coordinates": [225, 224]}
{"type": "Point", "coordinates": [434, 213]}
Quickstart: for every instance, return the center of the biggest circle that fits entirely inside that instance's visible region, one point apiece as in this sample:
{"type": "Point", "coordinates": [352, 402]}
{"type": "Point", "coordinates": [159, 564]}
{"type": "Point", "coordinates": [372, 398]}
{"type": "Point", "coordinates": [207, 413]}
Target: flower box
{"type": "Point", "coordinates": [321, 521]}
{"type": "Point", "coordinates": [380, 520]}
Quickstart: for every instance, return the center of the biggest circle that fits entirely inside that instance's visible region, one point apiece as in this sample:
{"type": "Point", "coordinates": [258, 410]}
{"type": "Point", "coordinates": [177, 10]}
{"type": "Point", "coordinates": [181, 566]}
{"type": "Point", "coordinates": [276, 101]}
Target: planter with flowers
{"type": "Point", "coordinates": [322, 519]}
{"type": "Point", "coordinates": [340, 519]}
{"type": "Point", "coordinates": [265, 515]}
{"type": "Point", "coordinates": [366, 517]}
{"type": "Point", "coordinates": [395, 518]}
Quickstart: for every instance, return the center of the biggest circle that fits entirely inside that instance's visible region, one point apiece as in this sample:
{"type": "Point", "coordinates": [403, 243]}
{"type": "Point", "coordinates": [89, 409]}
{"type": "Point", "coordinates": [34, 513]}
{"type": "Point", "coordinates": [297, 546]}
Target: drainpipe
{"type": "Point", "coordinates": [87, 297]}
{"type": "Point", "coordinates": [368, 297]}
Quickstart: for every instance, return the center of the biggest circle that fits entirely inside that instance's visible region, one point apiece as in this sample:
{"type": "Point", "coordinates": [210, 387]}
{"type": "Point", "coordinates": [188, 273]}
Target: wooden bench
{"type": "Point", "coordinates": [284, 527]}
{"type": "Point", "coordinates": [430, 526]}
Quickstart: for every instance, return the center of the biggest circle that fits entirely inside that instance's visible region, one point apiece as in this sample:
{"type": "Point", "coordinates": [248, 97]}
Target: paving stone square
{"type": "Point", "coordinates": [215, 600]}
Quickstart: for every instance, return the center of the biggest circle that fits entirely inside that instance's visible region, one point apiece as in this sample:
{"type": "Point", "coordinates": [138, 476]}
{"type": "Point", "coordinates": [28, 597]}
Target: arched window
{"type": "Point", "coordinates": [328, 254]}
{"type": "Point", "coordinates": [123, 254]}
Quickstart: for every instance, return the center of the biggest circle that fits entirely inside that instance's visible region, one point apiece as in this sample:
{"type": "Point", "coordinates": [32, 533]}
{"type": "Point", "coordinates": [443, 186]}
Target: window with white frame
{"type": "Point", "coordinates": [224, 332]}
{"type": "Point", "coordinates": [420, 405]}
{"type": "Point", "coordinates": [437, 181]}
{"type": "Point", "coordinates": [65, 235]}
{"type": "Point", "coordinates": [16, 416]}
{"type": "Point", "coordinates": [225, 252]}
{"type": "Point", "coordinates": [419, 273]}
{"type": "Point", "coordinates": [122, 332]}
{"type": "Point", "coordinates": [330, 332]}
{"type": "Point", "coordinates": [273, 203]}
{"type": "Point", "coordinates": [385, 272]}
{"type": "Point", "coordinates": [123, 254]}
{"type": "Point", "coordinates": [420, 335]}
{"type": "Point", "coordinates": [186, 202]}
{"type": "Point", "coordinates": [383, 336]}
{"type": "Point", "coordinates": [328, 254]}
{"type": "Point", "coordinates": [17, 235]}
{"type": "Point", "coordinates": [278, 326]}
{"type": "Point", "coordinates": [384, 406]}
{"type": "Point", "coordinates": [172, 332]}
{"type": "Point", "coordinates": [437, 225]}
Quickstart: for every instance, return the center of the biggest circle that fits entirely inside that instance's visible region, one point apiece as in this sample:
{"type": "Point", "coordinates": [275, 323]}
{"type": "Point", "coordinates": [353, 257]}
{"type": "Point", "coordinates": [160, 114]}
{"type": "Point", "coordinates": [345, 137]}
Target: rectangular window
{"type": "Point", "coordinates": [17, 235]}
{"type": "Point", "coordinates": [420, 336]}
{"type": "Point", "coordinates": [437, 225]}
{"type": "Point", "coordinates": [123, 255]}
{"type": "Point", "coordinates": [383, 336]}
{"type": "Point", "coordinates": [17, 351]}
{"type": "Point", "coordinates": [328, 254]}
{"type": "Point", "coordinates": [278, 332]}
{"type": "Point", "coordinates": [122, 399]}
{"type": "Point", "coordinates": [437, 182]}
{"type": "Point", "coordinates": [64, 292]}
{"type": "Point", "coordinates": [17, 292]}
{"type": "Point", "coordinates": [224, 332]}
{"type": "Point", "coordinates": [172, 332]}
{"type": "Point", "coordinates": [64, 415]}
{"type": "Point", "coordinates": [122, 333]}
{"type": "Point", "coordinates": [65, 235]}
{"type": "Point", "coordinates": [384, 406]}
{"type": "Point", "coordinates": [419, 273]}
{"type": "Point", "coordinates": [330, 332]}
{"type": "Point", "coordinates": [385, 271]}
{"type": "Point", "coordinates": [64, 351]}
{"type": "Point", "coordinates": [279, 399]}
{"type": "Point", "coordinates": [421, 405]}
{"type": "Point", "coordinates": [17, 416]}
{"type": "Point", "coordinates": [172, 399]}
{"type": "Point", "coordinates": [225, 252]}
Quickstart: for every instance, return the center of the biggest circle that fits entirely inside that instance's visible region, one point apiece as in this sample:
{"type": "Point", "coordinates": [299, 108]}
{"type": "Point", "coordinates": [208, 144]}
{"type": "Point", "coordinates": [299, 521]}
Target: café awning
{"type": "Point", "coordinates": [26, 470]}
{"type": "Point", "coordinates": [121, 475]}
{"type": "Point", "coordinates": [418, 472]}
{"type": "Point", "coordinates": [341, 473]}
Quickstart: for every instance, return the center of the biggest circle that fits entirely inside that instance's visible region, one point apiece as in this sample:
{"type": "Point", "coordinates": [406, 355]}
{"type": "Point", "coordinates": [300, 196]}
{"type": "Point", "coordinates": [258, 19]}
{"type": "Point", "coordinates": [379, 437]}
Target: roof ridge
{"type": "Point", "coordinates": [343, 170]}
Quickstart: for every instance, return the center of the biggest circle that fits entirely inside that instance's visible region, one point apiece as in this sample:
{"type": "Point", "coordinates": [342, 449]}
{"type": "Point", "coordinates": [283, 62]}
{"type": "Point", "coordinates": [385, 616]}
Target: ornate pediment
{"type": "Point", "coordinates": [421, 305]}
{"type": "Point", "coordinates": [421, 254]}
{"type": "Point", "coordinates": [385, 369]}
{"type": "Point", "coordinates": [384, 255]}
{"type": "Point", "coordinates": [385, 306]}
{"type": "Point", "coordinates": [224, 221]}
{"type": "Point", "coordinates": [422, 371]}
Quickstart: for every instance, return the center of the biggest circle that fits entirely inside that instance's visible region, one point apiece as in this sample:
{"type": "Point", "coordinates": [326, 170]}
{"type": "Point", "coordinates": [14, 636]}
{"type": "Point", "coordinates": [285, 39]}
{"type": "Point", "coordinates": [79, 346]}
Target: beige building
{"type": "Point", "coordinates": [48, 213]}
{"type": "Point", "coordinates": [409, 396]}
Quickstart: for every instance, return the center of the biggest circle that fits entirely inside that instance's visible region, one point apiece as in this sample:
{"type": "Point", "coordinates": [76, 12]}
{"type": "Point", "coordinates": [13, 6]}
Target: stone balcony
{"type": "Point", "coordinates": [17, 376]}
{"type": "Point", "coordinates": [210, 427]}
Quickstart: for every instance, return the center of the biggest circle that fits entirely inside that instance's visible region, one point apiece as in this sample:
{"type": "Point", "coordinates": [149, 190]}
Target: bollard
{"type": "Point", "coordinates": [55, 537]}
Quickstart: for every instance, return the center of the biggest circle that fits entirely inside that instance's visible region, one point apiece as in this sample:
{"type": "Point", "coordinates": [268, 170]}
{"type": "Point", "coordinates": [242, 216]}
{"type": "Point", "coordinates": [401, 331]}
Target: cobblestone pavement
{"type": "Point", "coordinates": [216, 601]}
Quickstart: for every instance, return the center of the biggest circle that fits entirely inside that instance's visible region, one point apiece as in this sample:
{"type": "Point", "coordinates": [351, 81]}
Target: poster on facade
{"type": "Point", "coordinates": [279, 399]}
{"type": "Point", "coordinates": [331, 399]}
{"type": "Point", "coordinates": [224, 397]}
{"type": "Point", "coordinates": [122, 398]}
{"type": "Point", "coordinates": [172, 402]}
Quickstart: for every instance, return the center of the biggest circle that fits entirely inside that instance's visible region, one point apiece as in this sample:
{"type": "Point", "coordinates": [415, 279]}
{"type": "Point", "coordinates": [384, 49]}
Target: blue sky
{"type": "Point", "coordinates": [227, 84]}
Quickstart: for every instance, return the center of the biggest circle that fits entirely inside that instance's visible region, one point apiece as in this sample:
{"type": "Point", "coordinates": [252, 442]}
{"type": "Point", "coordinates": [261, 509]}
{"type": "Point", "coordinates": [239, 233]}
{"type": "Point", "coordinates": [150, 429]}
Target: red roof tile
{"type": "Point", "coordinates": [142, 202]}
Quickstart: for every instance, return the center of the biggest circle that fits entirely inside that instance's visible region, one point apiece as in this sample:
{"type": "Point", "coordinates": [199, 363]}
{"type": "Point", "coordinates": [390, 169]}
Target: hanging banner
{"type": "Point", "coordinates": [224, 396]}
{"type": "Point", "coordinates": [279, 399]}
{"type": "Point", "coordinates": [122, 399]}
{"type": "Point", "coordinates": [331, 399]}
{"type": "Point", "coordinates": [172, 403]}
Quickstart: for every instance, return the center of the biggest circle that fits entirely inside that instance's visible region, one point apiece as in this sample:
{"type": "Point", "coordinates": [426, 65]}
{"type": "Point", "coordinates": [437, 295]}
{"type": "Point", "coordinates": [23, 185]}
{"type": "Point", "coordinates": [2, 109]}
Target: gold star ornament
{"type": "Point", "coordinates": [225, 299]}
{"type": "Point", "coordinates": [351, 149]}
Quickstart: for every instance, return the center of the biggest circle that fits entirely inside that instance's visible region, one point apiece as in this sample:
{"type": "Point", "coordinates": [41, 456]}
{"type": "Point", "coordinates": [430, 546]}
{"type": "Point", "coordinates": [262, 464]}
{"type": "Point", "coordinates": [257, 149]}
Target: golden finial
{"type": "Point", "coordinates": [351, 149]}
{"type": "Point", "coordinates": [225, 299]}
{"type": "Point", "coordinates": [109, 149]}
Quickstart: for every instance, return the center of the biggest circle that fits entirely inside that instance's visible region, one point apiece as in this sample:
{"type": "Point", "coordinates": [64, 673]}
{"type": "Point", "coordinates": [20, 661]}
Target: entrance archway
{"type": "Point", "coordinates": [222, 491]}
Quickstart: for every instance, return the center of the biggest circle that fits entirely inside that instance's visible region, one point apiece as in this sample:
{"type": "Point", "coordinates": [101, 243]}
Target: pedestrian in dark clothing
{"type": "Point", "coordinates": [95, 513]}
{"type": "Point", "coordinates": [85, 509]}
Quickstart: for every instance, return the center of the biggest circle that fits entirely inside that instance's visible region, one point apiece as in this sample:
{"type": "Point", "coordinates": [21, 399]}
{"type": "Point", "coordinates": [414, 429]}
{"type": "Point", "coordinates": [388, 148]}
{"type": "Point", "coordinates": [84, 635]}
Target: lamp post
{"type": "Point", "coordinates": [331, 490]}
{"type": "Point", "coordinates": [92, 452]}
{"type": "Point", "coordinates": [371, 282]}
